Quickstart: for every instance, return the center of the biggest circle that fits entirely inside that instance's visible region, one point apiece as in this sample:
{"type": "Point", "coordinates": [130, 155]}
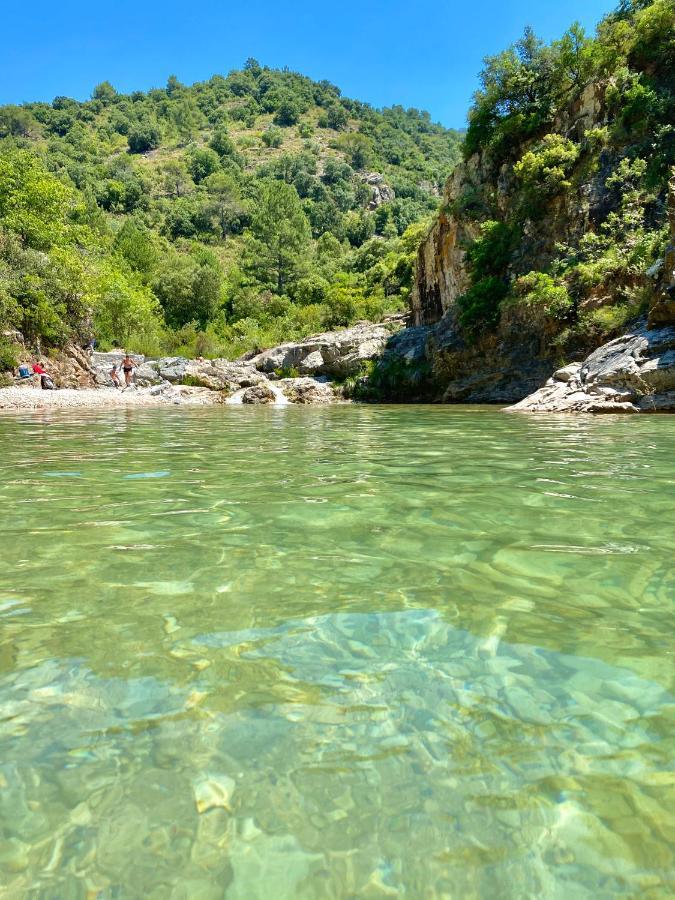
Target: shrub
{"type": "Point", "coordinates": [202, 163]}
{"type": "Point", "coordinates": [287, 372]}
{"type": "Point", "coordinates": [479, 307]}
{"type": "Point", "coordinates": [391, 379]}
{"type": "Point", "coordinates": [8, 356]}
{"type": "Point", "coordinates": [544, 171]}
{"type": "Point", "coordinates": [597, 138]}
{"type": "Point", "coordinates": [606, 321]}
{"type": "Point", "coordinates": [273, 137]}
{"type": "Point", "coordinates": [490, 254]}
{"type": "Point", "coordinates": [537, 289]}
{"type": "Point", "coordinates": [334, 117]}
{"type": "Point", "coordinates": [143, 138]}
{"type": "Point", "coordinates": [288, 111]}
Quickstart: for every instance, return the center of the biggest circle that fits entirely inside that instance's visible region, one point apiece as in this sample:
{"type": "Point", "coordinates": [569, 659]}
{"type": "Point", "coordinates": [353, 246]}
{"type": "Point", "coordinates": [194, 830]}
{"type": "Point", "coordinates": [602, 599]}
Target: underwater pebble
{"type": "Point", "coordinates": [213, 791]}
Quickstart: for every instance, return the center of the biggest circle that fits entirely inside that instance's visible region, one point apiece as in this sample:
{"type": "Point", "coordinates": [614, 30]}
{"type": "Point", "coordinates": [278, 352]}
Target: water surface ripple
{"type": "Point", "coordinates": [336, 653]}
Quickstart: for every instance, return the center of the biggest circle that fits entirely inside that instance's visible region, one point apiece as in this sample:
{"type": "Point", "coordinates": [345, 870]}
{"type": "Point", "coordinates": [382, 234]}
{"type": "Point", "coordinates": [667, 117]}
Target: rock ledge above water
{"type": "Point", "coordinates": [633, 373]}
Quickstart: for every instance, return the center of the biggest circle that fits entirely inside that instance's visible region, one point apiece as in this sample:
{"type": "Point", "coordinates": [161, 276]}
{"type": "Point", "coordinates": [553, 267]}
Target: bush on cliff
{"type": "Point", "coordinates": [597, 185]}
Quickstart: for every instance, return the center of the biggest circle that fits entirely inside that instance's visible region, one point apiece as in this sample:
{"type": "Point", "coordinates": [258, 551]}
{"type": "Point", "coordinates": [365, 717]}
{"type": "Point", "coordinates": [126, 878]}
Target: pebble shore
{"type": "Point", "coordinates": [15, 398]}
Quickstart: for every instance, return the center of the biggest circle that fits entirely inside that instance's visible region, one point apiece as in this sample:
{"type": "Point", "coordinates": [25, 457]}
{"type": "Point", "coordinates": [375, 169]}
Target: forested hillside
{"type": "Point", "coordinates": [215, 218]}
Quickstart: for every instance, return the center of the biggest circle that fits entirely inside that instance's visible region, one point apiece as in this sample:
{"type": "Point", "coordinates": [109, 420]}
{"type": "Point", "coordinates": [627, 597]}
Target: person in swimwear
{"type": "Point", "coordinates": [115, 376]}
{"type": "Point", "coordinates": [128, 366]}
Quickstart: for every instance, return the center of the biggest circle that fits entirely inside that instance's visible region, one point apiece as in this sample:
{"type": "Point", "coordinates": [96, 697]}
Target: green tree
{"type": "Point", "coordinates": [225, 202]}
{"type": "Point", "coordinates": [186, 118]}
{"type": "Point", "coordinates": [202, 163]}
{"type": "Point", "coordinates": [143, 137]}
{"type": "Point", "coordinates": [189, 289]}
{"type": "Point", "coordinates": [358, 226]}
{"type": "Point", "coordinates": [16, 121]}
{"type": "Point", "coordinates": [288, 111]}
{"type": "Point", "coordinates": [335, 116]}
{"type": "Point", "coordinates": [358, 147]}
{"type": "Point", "coordinates": [222, 143]}
{"type": "Point", "coordinates": [279, 237]}
{"type": "Point", "coordinates": [175, 178]}
{"type": "Point", "coordinates": [104, 92]}
{"type": "Point", "coordinates": [34, 204]}
{"type": "Point", "coordinates": [137, 245]}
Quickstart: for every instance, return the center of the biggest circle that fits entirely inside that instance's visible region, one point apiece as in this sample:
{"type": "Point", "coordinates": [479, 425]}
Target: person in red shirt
{"type": "Point", "coordinates": [46, 382]}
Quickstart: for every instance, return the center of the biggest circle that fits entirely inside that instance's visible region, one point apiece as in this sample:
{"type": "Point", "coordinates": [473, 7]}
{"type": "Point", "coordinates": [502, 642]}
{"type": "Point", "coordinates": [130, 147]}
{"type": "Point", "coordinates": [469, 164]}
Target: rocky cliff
{"type": "Point", "coordinates": [552, 236]}
{"type": "Point", "coordinates": [477, 190]}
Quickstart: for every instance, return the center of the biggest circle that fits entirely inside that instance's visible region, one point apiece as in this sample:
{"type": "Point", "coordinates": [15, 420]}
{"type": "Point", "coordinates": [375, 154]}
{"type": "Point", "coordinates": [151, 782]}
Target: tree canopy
{"type": "Point", "coordinates": [204, 212]}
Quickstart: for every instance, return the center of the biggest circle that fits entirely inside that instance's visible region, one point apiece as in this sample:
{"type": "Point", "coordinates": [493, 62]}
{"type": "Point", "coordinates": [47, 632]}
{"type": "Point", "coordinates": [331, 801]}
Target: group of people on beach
{"type": "Point", "coordinates": [125, 368]}
{"type": "Point", "coordinates": [36, 368]}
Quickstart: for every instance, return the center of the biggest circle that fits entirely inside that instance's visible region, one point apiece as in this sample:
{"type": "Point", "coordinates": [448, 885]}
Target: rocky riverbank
{"type": "Point", "coordinates": [27, 397]}
{"type": "Point", "coordinates": [634, 373]}
{"type": "Point", "coordinates": [303, 372]}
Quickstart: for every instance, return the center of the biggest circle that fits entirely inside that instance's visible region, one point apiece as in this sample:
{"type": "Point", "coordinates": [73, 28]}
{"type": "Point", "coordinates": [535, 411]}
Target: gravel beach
{"type": "Point", "coordinates": [15, 398]}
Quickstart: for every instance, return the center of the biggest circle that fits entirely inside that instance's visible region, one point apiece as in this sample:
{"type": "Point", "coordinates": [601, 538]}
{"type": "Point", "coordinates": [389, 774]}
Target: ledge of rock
{"type": "Point", "coordinates": [215, 374]}
{"type": "Point", "coordinates": [633, 373]}
{"type": "Point", "coordinates": [315, 360]}
{"type": "Point", "coordinates": [335, 354]}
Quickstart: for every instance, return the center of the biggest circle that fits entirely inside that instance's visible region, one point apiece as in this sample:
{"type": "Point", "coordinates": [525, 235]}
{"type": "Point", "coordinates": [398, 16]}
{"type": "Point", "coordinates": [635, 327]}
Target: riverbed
{"type": "Point", "coordinates": [350, 651]}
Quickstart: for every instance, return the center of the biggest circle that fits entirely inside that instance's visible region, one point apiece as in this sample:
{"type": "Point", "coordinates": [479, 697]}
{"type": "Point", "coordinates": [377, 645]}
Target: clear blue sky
{"type": "Point", "coordinates": [417, 53]}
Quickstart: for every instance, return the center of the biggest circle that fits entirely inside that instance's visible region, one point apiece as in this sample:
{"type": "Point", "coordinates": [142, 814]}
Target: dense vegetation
{"type": "Point", "coordinates": [585, 214]}
{"type": "Point", "coordinates": [211, 219]}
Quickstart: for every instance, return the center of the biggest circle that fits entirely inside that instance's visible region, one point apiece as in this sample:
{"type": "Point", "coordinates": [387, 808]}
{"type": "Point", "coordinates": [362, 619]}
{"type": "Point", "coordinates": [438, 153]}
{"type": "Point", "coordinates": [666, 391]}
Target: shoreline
{"type": "Point", "coordinates": [19, 398]}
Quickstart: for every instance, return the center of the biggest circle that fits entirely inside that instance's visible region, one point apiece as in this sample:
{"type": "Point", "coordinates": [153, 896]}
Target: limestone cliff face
{"type": "Point", "coordinates": [441, 271]}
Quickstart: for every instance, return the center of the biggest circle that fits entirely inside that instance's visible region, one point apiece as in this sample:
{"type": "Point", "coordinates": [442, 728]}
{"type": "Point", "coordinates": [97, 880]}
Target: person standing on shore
{"type": "Point", "coordinates": [128, 366]}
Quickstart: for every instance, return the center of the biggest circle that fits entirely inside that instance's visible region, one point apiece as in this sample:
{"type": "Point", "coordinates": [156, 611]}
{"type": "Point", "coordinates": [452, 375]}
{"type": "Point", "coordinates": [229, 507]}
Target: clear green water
{"type": "Point", "coordinates": [336, 653]}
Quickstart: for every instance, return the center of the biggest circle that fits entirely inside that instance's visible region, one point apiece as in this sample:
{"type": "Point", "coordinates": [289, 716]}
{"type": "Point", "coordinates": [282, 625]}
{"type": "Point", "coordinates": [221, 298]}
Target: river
{"type": "Point", "coordinates": [353, 651]}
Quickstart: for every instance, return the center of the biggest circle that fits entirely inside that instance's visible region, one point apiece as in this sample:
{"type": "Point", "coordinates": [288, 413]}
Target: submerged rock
{"type": "Point", "coordinates": [212, 791]}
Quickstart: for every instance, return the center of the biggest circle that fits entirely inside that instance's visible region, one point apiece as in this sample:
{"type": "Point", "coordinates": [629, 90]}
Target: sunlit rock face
{"type": "Point", "coordinates": [335, 354]}
{"type": "Point", "coordinates": [442, 275]}
{"type": "Point", "coordinates": [634, 373]}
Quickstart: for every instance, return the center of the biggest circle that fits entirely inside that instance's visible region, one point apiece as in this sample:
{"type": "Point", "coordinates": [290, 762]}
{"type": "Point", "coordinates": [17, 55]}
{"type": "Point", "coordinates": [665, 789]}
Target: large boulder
{"type": "Point", "coordinates": [261, 393]}
{"type": "Point", "coordinates": [172, 368]}
{"type": "Point", "coordinates": [215, 374]}
{"type": "Point", "coordinates": [145, 371]}
{"type": "Point", "coordinates": [380, 192]}
{"type": "Point", "coordinates": [633, 373]}
{"type": "Point", "coordinates": [222, 375]}
{"type": "Point", "coordinates": [307, 390]}
{"type": "Point", "coordinates": [335, 354]}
